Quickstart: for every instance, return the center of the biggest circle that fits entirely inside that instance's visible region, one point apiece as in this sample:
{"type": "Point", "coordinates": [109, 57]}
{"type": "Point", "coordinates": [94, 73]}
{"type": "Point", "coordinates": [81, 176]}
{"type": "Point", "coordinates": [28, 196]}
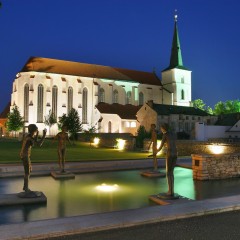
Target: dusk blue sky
{"type": "Point", "coordinates": [132, 34]}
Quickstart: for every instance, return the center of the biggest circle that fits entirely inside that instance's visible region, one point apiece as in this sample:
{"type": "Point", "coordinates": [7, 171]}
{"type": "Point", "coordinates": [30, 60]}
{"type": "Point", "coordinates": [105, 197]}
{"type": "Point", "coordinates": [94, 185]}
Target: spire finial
{"type": "Point", "coordinates": [175, 15]}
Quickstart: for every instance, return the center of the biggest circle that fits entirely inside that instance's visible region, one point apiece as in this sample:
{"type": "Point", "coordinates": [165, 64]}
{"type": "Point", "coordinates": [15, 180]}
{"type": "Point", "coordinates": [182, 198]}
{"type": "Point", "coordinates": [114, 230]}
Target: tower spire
{"type": "Point", "coordinates": [176, 55]}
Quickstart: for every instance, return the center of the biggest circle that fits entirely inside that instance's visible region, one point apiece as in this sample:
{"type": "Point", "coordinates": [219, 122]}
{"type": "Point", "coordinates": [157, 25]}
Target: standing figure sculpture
{"type": "Point", "coordinates": [29, 140]}
{"type": "Point", "coordinates": [170, 140]}
{"type": "Point", "coordinates": [154, 146]}
{"type": "Point", "coordinates": [62, 138]}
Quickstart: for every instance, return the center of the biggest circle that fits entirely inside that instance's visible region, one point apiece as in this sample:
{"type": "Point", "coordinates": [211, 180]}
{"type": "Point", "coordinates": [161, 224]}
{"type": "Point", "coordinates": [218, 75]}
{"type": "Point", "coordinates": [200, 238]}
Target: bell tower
{"type": "Point", "coordinates": [176, 78]}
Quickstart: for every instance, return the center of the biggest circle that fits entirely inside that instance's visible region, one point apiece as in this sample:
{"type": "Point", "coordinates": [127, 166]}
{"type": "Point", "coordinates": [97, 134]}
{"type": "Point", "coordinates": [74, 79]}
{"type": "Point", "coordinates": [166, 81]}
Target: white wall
{"type": "Point", "coordinates": [204, 132]}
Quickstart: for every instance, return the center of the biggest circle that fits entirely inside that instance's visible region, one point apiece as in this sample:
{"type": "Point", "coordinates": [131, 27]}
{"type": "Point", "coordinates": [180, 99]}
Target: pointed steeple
{"type": "Point", "coordinates": [176, 55]}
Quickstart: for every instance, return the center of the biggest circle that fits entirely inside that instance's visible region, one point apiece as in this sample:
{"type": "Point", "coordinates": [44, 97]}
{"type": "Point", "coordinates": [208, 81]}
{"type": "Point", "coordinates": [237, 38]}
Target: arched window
{"type": "Point", "coordinates": [54, 100]}
{"type": "Point", "coordinates": [40, 103]}
{"type": "Point", "coordinates": [182, 95]}
{"type": "Point", "coordinates": [70, 99]}
{"type": "Point", "coordinates": [84, 105]}
{"type": "Point", "coordinates": [26, 102]}
{"type": "Point", "coordinates": [129, 97]}
{"type": "Point", "coordinates": [115, 96]}
{"type": "Point", "coordinates": [101, 95]}
{"type": "Point", "coordinates": [141, 98]}
{"type": "Point", "coordinates": [109, 126]}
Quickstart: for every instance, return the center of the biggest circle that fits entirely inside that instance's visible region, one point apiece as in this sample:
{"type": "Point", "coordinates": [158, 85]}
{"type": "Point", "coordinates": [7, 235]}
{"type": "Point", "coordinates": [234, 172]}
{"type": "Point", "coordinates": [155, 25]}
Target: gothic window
{"type": "Point", "coordinates": [129, 97]}
{"type": "Point", "coordinates": [54, 100]}
{"type": "Point", "coordinates": [84, 105]}
{"type": "Point", "coordinates": [115, 96]}
{"type": "Point", "coordinates": [40, 103]}
{"type": "Point", "coordinates": [182, 95]}
{"type": "Point", "coordinates": [101, 95]}
{"type": "Point", "coordinates": [182, 79]}
{"type": "Point", "coordinates": [141, 98]}
{"type": "Point", "coordinates": [109, 127]}
{"type": "Point", "coordinates": [26, 102]}
{"type": "Point", "coordinates": [70, 99]}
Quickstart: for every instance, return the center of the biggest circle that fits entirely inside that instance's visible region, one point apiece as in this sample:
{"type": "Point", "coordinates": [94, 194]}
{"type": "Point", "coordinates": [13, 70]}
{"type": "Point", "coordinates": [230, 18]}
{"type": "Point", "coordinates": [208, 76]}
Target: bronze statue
{"type": "Point", "coordinates": [170, 140]}
{"type": "Point", "coordinates": [62, 138]}
{"type": "Point", "coordinates": [154, 146]}
{"type": "Point", "coordinates": [29, 140]}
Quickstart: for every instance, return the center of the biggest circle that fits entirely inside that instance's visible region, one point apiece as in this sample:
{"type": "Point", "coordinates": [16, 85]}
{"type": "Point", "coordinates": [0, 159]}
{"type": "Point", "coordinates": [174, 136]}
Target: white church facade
{"type": "Point", "coordinates": [105, 97]}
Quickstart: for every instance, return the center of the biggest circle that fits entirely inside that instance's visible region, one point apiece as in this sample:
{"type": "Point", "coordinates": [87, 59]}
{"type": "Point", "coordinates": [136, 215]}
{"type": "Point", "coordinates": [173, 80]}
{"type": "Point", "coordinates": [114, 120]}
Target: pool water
{"type": "Point", "coordinates": [103, 192]}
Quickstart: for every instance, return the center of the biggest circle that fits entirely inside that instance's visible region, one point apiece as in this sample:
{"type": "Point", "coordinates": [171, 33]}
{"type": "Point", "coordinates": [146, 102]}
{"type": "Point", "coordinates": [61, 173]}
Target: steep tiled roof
{"type": "Point", "coordinates": [163, 109]}
{"type": "Point", "coordinates": [6, 110]}
{"type": "Point", "coordinates": [49, 65]}
{"type": "Point", "coordinates": [228, 119]}
{"type": "Point", "coordinates": [127, 111]}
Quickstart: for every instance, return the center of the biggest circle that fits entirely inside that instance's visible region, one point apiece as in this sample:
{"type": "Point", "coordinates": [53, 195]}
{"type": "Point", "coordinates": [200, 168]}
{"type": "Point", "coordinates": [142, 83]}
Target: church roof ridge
{"type": "Point", "coordinates": [50, 65]}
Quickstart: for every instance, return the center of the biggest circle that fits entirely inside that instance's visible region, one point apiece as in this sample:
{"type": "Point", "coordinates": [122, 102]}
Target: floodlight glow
{"type": "Point", "coordinates": [107, 188]}
{"type": "Point", "coordinates": [96, 141]}
{"type": "Point", "coordinates": [216, 149]}
{"type": "Point", "coordinates": [120, 143]}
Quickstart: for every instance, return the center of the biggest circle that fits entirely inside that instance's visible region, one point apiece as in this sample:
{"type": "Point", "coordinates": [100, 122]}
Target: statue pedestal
{"type": "Point", "coordinates": [153, 174]}
{"type": "Point", "coordinates": [62, 175]}
{"type": "Point", "coordinates": [22, 198]}
{"type": "Point", "coordinates": [162, 199]}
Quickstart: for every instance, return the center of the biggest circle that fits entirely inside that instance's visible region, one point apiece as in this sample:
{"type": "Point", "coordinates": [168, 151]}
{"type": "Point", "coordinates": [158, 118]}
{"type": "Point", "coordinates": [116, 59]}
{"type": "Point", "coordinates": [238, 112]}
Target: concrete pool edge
{"type": "Point", "coordinates": [45, 169]}
{"type": "Point", "coordinates": [53, 228]}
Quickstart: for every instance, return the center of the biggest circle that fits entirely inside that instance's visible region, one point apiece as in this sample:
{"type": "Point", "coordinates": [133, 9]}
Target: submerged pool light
{"type": "Point", "coordinates": [107, 188]}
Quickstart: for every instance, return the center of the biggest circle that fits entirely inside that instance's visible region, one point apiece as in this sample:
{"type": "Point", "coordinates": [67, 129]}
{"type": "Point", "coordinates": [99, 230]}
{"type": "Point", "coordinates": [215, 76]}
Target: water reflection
{"type": "Point", "coordinates": [79, 196]}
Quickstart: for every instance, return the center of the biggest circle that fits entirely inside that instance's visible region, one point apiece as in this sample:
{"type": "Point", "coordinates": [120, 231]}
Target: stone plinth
{"type": "Point", "coordinates": [22, 198]}
{"type": "Point", "coordinates": [215, 166]}
{"type": "Point", "coordinates": [62, 175]}
{"type": "Point", "coordinates": [153, 174]}
{"type": "Point", "coordinates": [161, 201]}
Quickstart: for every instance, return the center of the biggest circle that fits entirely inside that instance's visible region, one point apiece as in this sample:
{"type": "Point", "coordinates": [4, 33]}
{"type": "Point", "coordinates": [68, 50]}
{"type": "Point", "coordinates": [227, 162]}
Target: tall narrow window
{"type": "Point", "coordinates": [109, 127]}
{"type": "Point", "coordinates": [40, 104]}
{"type": "Point", "coordinates": [26, 102]}
{"type": "Point", "coordinates": [141, 98]}
{"type": "Point", "coordinates": [84, 105]}
{"type": "Point", "coordinates": [101, 95]}
{"type": "Point", "coordinates": [54, 100]}
{"type": "Point", "coordinates": [182, 95]}
{"type": "Point", "coordinates": [70, 99]}
{"type": "Point", "coordinates": [115, 96]}
{"type": "Point", "coordinates": [129, 97]}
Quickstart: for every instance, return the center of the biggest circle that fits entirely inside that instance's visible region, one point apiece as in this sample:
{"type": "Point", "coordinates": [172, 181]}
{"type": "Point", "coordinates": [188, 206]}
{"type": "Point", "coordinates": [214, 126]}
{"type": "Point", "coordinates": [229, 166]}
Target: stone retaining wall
{"type": "Point", "coordinates": [208, 167]}
{"type": "Point", "coordinates": [188, 147]}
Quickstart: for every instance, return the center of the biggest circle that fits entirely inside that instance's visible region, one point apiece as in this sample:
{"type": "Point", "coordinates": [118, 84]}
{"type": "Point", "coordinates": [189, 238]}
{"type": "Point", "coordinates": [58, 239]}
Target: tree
{"type": "Point", "coordinates": [50, 120]}
{"type": "Point", "coordinates": [230, 106]}
{"type": "Point", "coordinates": [14, 120]}
{"type": "Point", "coordinates": [198, 103]}
{"type": "Point", "coordinates": [72, 121]}
{"type": "Point", "coordinates": [141, 135]}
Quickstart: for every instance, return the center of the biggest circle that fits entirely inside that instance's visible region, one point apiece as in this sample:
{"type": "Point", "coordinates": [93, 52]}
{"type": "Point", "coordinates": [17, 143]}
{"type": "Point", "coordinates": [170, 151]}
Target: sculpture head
{"type": "Point", "coordinates": [164, 127]}
{"type": "Point", "coordinates": [32, 129]}
{"type": "Point", "coordinates": [153, 126]}
{"type": "Point", "coordinates": [64, 128]}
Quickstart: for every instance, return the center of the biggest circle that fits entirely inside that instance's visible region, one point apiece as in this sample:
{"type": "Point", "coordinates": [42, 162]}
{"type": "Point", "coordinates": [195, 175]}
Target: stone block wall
{"type": "Point", "coordinates": [222, 166]}
{"type": "Point", "coordinates": [188, 147]}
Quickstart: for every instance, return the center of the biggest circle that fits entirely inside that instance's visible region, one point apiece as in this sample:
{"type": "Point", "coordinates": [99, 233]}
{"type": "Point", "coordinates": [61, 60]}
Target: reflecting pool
{"type": "Point", "coordinates": [102, 192]}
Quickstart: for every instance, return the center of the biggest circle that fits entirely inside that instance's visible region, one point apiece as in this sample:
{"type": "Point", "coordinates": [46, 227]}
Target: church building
{"type": "Point", "coordinates": [105, 97]}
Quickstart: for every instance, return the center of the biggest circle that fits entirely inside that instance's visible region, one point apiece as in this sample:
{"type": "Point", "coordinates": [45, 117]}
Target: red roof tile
{"type": "Point", "coordinates": [49, 65]}
{"type": "Point", "coordinates": [6, 110]}
{"type": "Point", "coordinates": [127, 111]}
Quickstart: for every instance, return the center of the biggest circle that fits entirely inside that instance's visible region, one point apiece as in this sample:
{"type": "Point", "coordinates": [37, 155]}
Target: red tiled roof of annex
{"type": "Point", "coordinates": [127, 111]}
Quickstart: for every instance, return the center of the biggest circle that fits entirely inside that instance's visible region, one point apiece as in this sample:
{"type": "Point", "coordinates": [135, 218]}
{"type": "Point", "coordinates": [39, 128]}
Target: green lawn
{"type": "Point", "coordinates": [10, 148]}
